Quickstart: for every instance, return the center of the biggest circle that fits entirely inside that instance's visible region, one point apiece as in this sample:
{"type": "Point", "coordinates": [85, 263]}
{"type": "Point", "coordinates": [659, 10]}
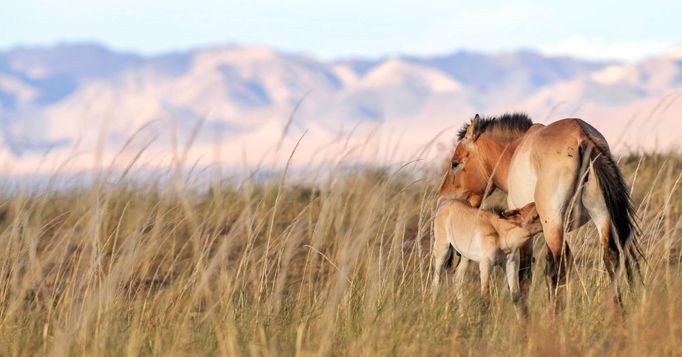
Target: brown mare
{"type": "Point", "coordinates": [566, 168]}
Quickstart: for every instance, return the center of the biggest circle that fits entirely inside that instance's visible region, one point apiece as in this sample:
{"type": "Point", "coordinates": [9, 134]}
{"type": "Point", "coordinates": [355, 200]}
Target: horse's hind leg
{"type": "Point", "coordinates": [596, 207]}
{"type": "Point", "coordinates": [558, 265]}
{"type": "Point", "coordinates": [551, 202]}
{"type": "Point", "coordinates": [611, 257]}
{"type": "Point", "coordinates": [511, 272]}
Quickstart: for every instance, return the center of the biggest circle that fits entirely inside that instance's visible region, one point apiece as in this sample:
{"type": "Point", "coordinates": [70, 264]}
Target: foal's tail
{"type": "Point", "coordinates": [450, 259]}
{"type": "Point", "coordinates": [622, 213]}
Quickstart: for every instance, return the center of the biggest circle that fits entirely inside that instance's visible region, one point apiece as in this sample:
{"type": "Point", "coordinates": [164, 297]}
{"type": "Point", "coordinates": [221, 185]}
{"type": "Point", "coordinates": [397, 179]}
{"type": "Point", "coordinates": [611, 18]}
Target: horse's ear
{"type": "Point", "coordinates": [472, 131]}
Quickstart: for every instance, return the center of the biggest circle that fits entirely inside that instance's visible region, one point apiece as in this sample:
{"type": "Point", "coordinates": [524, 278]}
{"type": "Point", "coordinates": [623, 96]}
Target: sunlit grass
{"type": "Point", "coordinates": [276, 267]}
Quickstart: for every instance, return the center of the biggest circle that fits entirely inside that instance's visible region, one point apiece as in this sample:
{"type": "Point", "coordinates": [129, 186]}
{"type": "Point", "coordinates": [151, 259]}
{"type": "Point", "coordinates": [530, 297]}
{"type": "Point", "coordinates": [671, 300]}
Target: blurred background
{"type": "Point", "coordinates": [85, 84]}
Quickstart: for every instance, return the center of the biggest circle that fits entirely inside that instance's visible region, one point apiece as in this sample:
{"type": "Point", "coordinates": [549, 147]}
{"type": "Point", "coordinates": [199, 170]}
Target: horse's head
{"type": "Point", "coordinates": [467, 176]}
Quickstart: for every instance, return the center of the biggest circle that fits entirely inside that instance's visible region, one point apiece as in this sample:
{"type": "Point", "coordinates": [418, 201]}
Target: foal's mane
{"type": "Point", "coordinates": [498, 210]}
{"type": "Point", "coordinates": [508, 126]}
{"type": "Point", "coordinates": [502, 212]}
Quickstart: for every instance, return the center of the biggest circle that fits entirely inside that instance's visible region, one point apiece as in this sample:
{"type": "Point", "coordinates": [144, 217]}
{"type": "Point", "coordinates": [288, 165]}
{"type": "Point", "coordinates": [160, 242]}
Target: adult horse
{"type": "Point", "coordinates": [566, 168]}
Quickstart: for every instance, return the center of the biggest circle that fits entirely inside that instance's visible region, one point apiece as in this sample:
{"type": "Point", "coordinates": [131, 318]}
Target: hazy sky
{"type": "Point", "coordinates": [588, 28]}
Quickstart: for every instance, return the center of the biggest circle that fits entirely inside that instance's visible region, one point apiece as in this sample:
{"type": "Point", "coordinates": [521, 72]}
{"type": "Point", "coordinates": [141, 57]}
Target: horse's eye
{"type": "Point", "coordinates": [454, 164]}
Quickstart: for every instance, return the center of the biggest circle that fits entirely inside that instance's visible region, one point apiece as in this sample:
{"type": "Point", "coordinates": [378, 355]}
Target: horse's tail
{"type": "Point", "coordinates": [619, 205]}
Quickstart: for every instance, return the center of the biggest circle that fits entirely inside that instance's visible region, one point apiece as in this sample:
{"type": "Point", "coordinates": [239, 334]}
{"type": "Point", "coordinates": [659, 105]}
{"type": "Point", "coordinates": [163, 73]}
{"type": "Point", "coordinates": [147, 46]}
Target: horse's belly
{"type": "Point", "coordinates": [468, 245]}
{"type": "Point", "coordinates": [521, 181]}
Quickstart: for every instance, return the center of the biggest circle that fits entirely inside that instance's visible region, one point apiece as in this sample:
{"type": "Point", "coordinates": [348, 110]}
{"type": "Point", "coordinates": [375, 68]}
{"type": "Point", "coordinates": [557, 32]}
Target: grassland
{"type": "Point", "coordinates": [274, 267]}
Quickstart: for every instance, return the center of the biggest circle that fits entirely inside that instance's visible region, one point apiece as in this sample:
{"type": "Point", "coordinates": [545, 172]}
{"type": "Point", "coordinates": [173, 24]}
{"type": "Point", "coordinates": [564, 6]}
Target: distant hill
{"type": "Point", "coordinates": [57, 96]}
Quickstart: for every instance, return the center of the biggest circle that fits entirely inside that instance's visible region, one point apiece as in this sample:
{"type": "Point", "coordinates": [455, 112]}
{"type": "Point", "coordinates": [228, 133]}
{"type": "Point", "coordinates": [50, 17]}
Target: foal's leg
{"type": "Point", "coordinates": [486, 268]}
{"type": "Point", "coordinates": [460, 275]}
{"type": "Point", "coordinates": [441, 251]}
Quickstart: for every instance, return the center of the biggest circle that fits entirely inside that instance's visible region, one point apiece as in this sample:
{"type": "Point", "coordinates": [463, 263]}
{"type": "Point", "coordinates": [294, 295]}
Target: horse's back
{"type": "Point", "coordinates": [563, 136]}
{"type": "Point", "coordinates": [547, 159]}
{"type": "Point", "coordinates": [550, 159]}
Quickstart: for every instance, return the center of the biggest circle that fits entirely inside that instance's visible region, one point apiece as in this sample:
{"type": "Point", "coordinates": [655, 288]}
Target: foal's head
{"type": "Point", "coordinates": [471, 165]}
{"type": "Point", "coordinates": [526, 217]}
{"type": "Point", "coordinates": [525, 223]}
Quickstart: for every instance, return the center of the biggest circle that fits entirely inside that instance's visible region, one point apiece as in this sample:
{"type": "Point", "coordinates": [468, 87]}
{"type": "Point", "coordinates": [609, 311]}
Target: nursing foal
{"type": "Point", "coordinates": [487, 237]}
{"type": "Point", "coordinates": [567, 169]}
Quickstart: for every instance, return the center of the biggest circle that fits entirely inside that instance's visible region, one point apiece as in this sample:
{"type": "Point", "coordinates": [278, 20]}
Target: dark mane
{"type": "Point", "coordinates": [506, 126]}
{"type": "Point", "coordinates": [502, 212]}
{"type": "Point", "coordinates": [498, 210]}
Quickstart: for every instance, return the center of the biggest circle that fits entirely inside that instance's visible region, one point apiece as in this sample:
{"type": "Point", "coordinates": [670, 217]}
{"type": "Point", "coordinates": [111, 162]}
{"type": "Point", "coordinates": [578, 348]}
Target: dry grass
{"type": "Point", "coordinates": [342, 267]}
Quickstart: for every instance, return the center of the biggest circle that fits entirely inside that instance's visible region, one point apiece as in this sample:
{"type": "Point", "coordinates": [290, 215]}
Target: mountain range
{"type": "Point", "coordinates": [54, 98]}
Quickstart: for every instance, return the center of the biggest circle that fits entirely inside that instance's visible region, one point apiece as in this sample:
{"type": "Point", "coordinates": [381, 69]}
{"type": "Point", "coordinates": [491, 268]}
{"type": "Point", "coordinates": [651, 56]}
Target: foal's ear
{"type": "Point", "coordinates": [472, 131]}
{"type": "Point", "coordinates": [531, 214]}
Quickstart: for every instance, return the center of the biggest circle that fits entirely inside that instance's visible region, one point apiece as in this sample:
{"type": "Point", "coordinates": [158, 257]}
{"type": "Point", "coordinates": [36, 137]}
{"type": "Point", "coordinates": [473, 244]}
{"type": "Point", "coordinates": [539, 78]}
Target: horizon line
{"type": "Point", "coordinates": [304, 53]}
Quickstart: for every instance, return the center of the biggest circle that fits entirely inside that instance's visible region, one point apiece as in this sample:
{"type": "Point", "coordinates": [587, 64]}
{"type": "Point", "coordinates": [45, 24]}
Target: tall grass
{"type": "Point", "coordinates": [277, 268]}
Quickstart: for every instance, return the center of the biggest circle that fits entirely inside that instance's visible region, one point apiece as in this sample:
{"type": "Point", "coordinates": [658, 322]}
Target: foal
{"type": "Point", "coordinates": [486, 237]}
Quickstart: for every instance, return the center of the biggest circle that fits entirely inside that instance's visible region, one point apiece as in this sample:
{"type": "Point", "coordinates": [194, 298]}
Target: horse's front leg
{"type": "Point", "coordinates": [511, 271]}
{"type": "Point", "coordinates": [525, 272]}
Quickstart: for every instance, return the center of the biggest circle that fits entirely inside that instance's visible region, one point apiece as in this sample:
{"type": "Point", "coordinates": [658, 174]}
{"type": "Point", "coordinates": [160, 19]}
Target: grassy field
{"type": "Point", "coordinates": [278, 268]}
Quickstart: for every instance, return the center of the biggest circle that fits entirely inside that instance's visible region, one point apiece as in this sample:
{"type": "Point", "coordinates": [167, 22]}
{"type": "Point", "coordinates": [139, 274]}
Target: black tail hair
{"type": "Point", "coordinates": [620, 208]}
{"type": "Point", "coordinates": [450, 259]}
